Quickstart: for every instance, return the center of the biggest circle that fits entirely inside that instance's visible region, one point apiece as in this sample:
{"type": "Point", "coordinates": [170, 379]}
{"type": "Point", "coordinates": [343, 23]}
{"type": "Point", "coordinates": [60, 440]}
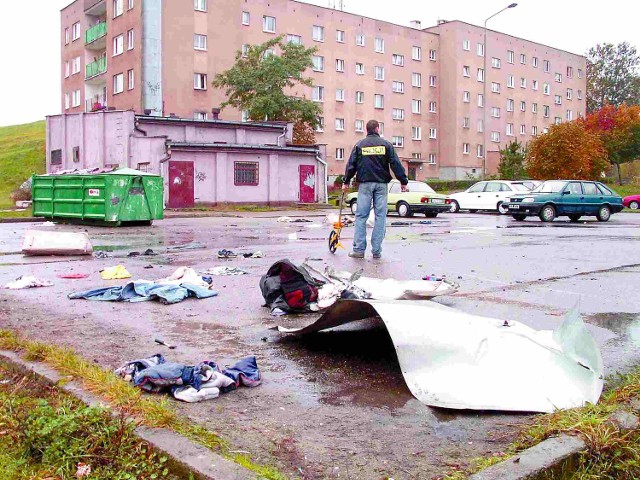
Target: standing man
{"type": "Point", "coordinates": [370, 160]}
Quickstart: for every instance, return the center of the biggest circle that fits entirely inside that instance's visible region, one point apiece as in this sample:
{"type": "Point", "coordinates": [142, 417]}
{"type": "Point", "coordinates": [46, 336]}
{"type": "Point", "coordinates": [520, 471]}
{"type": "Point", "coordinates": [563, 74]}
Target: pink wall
{"type": "Point", "coordinates": [204, 132]}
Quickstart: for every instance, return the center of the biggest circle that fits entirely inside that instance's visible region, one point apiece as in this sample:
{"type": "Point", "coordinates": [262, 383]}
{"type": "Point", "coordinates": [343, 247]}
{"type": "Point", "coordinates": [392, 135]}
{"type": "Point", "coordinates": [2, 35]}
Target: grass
{"type": "Point", "coordinates": [22, 153]}
{"type": "Point", "coordinates": [16, 213]}
{"type": "Point", "coordinates": [125, 399]}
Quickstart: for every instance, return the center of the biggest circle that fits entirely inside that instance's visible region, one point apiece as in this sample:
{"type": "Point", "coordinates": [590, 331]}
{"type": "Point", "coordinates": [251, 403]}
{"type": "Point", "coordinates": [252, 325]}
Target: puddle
{"type": "Point", "coordinates": [627, 325]}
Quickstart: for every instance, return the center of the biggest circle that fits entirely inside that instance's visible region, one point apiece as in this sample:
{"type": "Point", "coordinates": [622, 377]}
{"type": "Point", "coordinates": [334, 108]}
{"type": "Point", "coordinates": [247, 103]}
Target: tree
{"type": "Point", "coordinates": [568, 150]}
{"type": "Point", "coordinates": [612, 76]}
{"type": "Point", "coordinates": [619, 132]}
{"type": "Point", "coordinates": [260, 82]}
{"type": "Point", "coordinates": [512, 161]}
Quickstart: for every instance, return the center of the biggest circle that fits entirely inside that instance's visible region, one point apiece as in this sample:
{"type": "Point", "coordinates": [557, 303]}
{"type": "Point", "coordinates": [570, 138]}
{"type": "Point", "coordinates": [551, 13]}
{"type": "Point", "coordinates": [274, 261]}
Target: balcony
{"type": "Point", "coordinates": [95, 104]}
{"type": "Point", "coordinates": [95, 37]}
{"type": "Point", "coordinates": [96, 68]}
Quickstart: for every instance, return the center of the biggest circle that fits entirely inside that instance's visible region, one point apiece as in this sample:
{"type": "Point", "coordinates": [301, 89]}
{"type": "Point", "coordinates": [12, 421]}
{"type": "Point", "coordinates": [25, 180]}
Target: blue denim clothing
{"type": "Point", "coordinates": [166, 374]}
{"type": "Point", "coordinates": [245, 372]}
{"type": "Point", "coordinates": [376, 194]}
{"type": "Point", "coordinates": [144, 291]}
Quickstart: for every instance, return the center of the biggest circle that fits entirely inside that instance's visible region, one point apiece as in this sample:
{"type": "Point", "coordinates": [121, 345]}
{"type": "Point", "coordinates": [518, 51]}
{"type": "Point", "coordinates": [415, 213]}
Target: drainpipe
{"type": "Point", "coordinates": [166, 158]}
{"type": "Point", "coordinates": [284, 132]}
{"type": "Point", "coordinates": [326, 188]}
{"type": "Point", "coordinates": [138, 129]}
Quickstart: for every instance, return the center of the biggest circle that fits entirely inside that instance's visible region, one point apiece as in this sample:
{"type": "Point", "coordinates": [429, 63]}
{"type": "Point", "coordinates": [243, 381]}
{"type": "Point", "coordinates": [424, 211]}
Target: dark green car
{"type": "Point", "coordinates": [568, 198]}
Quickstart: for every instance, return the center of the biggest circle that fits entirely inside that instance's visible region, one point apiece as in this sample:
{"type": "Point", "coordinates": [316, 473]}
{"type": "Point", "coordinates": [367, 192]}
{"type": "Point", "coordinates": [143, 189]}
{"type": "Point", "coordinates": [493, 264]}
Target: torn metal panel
{"type": "Point", "coordinates": [456, 360]}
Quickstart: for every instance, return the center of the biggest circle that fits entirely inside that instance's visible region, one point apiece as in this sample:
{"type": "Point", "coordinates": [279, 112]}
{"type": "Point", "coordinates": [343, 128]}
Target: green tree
{"type": "Point", "coordinates": [512, 161]}
{"type": "Point", "coordinates": [612, 76]}
{"type": "Point", "coordinates": [261, 82]}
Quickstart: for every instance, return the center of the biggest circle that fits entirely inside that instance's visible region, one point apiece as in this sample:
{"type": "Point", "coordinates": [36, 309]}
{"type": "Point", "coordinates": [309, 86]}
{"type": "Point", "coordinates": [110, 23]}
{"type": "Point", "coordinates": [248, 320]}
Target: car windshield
{"type": "Point", "coordinates": [554, 186]}
{"type": "Point", "coordinates": [518, 187]}
{"type": "Point", "coordinates": [420, 187]}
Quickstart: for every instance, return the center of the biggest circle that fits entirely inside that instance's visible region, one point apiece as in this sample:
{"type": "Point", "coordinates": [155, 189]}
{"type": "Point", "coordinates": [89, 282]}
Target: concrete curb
{"type": "Point", "coordinates": [184, 455]}
{"type": "Point", "coordinates": [22, 220]}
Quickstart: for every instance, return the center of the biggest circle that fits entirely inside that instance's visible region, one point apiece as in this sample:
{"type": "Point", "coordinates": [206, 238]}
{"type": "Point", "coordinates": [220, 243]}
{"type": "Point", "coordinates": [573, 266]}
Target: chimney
{"type": "Point", "coordinates": [417, 24]}
{"type": "Point", "coordinates": [215, 113]}
{"type": "Point", "coordinates": [440, 22]}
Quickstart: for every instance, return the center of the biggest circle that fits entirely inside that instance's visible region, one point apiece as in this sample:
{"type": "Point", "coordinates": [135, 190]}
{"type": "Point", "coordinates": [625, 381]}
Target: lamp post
{"type": "Point", "coordinates": [484, 91]}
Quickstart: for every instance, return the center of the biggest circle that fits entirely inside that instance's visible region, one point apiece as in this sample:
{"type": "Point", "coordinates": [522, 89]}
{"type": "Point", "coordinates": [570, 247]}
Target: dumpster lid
{"type": "Point", "coordinates": [130, 171]}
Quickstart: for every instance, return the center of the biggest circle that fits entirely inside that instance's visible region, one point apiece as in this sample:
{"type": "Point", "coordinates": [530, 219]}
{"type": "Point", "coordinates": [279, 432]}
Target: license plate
{"type": "Point", "coordinates": [515, 206]}
{"type": "Point", "coordinates": [437, 200]}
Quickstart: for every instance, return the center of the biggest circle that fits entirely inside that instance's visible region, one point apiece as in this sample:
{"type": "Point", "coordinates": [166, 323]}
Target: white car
{"type": "Point", "coordinates": [486, 195]}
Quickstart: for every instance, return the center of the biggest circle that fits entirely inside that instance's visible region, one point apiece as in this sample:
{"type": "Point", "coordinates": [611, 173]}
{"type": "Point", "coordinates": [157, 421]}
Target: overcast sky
{"type": "Point", "coordinates": [30, 47]}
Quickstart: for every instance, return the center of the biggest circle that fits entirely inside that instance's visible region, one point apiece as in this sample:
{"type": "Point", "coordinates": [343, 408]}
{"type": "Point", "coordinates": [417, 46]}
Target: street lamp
{"type": "Point", "coordinates": [484, 91]}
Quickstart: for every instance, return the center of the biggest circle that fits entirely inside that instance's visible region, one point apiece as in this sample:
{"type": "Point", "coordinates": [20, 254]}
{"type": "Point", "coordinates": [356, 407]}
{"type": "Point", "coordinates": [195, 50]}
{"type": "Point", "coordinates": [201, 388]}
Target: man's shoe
{"type": "Point", "coordinates": [356, 254]}
{"type": "Point", "coordinates": [377, 255]}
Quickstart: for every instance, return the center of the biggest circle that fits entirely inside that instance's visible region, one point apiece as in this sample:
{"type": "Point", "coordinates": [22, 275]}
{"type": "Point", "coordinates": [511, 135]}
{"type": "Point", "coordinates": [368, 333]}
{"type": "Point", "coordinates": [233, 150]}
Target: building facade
{"type": "Point", "coordinates": [424, 85]}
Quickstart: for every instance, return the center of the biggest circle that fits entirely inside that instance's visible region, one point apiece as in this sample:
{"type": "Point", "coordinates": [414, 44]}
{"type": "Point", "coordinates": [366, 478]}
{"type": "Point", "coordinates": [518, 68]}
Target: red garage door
{"type": "Point", "coordinates": [181, 185]}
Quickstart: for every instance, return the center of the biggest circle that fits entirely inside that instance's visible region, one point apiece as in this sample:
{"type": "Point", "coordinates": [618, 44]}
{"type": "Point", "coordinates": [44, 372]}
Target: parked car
{"type": "Point", "coordinates": [632, 202]}
{"type": "Point", "coordinates": [420, 198]}
{"type": "Point", "coordinates": [486, 195]}
{"type": "Point", "coordinates": [530, 184]}
{"type": "Point", "coordinates": [571, 198]}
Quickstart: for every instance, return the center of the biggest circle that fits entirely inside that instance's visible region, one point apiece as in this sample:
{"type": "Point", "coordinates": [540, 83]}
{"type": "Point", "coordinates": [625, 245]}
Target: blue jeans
{"type": "Point", "coordinates": [376, 194]}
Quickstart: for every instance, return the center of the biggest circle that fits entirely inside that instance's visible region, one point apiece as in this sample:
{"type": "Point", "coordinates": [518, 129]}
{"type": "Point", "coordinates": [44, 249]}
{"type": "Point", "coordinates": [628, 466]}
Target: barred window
{"type": "Point", "coordinates": [56, 157]}
{"type": "Point", "coordinates": [245, 173]}
{"type": "Point", "coordinates": [144, 167]}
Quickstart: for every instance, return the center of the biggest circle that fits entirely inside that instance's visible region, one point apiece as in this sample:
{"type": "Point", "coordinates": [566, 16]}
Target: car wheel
{"type": "Point", "coordinates": [431, 214]}
{"type": "Point", "coordinates": [519, 217]}
{"type": "Point", "coordinates": [502, 208]}
{"type": "Point", "coordinates": [574, 218]}
{"type": "Point", "coordinates": [548, 213]}
{"type": "Point", "coordinates": [455, 207]}
{"type": "Point", "coordinates": [634, 205]}
{"type": "Point", "coordinates": [473, 211]}
{"type": "Point", "coordinates": [354, 206]}
{"type": "Point", "coordinates": [604, 213]}
{"type": "Point", "coordinates": [404, 210]}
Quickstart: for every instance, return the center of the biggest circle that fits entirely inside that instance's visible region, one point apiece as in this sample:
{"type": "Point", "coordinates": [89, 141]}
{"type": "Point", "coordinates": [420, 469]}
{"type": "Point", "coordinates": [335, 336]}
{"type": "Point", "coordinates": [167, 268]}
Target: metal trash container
{"type": "Point", "coordinates": [113, 198]}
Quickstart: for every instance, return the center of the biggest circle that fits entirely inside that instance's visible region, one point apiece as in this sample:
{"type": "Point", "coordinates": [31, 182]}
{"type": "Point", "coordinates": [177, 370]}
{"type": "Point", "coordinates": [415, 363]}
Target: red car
{"type": "Point", "coordinates": [632, 202]}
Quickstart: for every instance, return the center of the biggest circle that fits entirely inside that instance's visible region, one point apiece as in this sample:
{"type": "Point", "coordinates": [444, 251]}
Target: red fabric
{"type": "Point", "coordinates": [73, 275]}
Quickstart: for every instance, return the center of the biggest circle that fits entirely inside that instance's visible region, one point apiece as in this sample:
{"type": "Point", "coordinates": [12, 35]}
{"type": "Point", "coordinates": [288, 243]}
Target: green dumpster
{"type": "Point", "coordinates": [113, 198]}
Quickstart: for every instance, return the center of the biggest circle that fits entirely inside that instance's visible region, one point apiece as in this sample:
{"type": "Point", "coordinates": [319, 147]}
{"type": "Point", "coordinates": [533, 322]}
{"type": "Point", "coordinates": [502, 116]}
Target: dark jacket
{"type": "Point", "coordinates": [370, 160]}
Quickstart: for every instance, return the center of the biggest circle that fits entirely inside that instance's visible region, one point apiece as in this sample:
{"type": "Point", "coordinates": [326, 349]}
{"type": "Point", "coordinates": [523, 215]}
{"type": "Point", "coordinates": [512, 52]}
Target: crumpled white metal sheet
{"type": "Point", "coordinates": [456, 360]}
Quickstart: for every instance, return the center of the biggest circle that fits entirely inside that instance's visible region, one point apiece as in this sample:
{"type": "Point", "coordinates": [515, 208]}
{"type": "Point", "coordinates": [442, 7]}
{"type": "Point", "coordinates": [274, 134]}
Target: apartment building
{"type": "Point", "coordinates": [159, 58]}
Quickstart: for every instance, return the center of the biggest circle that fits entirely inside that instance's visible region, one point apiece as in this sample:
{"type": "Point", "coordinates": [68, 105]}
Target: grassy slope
{"type": "Point", "coordinates": [21, 154]}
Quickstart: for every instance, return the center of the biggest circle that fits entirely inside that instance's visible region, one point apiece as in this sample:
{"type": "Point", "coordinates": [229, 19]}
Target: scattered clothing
{"type": "Point", "coordinates": [226, 271]}
{"type": "Point", "coordinates": [102, 254]}
{"type": "Point", "coordinates": [148, 252]}
{"type": "Point", "coordinates": [226, 254]}
{"type": "Point", "coordinates": [289, 288]}
{"type": "Point", "coordinates": [293, 236]}
{"type": "Point", "coordinates": [257, 254]}
{"type": "Point", "coordinates": [186, 275]}
{"type": "Point", "coordinates": [115, 273]}
{"type": "Point", "coordinates": [56, 243]}
{"type": "Point", "coordinates": [27, 282]}
{"type": "Point", "coordinates": [142, 290]}
{"type": "Point", "coordinates": [425, 222]}
{"type": "Point", "coordinates": [293, 220]}
{"type": "Point", "coordinates": [73, 276]}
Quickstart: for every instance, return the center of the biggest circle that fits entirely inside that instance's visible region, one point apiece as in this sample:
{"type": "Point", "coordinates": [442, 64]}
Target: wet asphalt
{"type": "Point", "coordinates": [334, 404]}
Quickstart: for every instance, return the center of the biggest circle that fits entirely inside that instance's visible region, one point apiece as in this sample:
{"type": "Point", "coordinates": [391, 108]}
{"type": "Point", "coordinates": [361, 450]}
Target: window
{"type": "Point", "coordinates": [75, 97]}
{"type": "Point", "coordinates": [432, 107]}
{"type": "Point", "coordinates": [339, 95]}
{"type": "Point", "coordinates": [495, 137]}
{"type": "Point", "coordinates": [144, 167]}
{"type": "Point", "coordinates": [510, 56]}
{"type": "Point", "coordinates": [480, 75]}
{"type": "Point", "coordinates": [378, 101]}
{"type": "Point", "coordinates": [56, 157]}
{"type": "Point", "coordinates": [339, 65]}
{"type": "Point", "coordinates": [569, 72]}
{"type": "Point", "coordinates": [318, 63]}
{"type": "Point", "coordinates": [432, 55]}
{"type": "Point", "coordinates": [432, 159]}
{"type": "Point", "coordinates": [509, 105]}
{"type": "Point", "coordinates": [416, 133]}
{"type": "Point", "coordinates": [317, 94]}
{"type": "Point", "coordinates": [75, 65]}
{"type": "Point", "coordinates": [340, 36]}
{"type": "Point", "coordinates": [397, 87]}
{"type": "Point", "coordinates": [546, 66]}
{"type": "Point", "coordinates": [360, 40]}
{"type": "Point", "coordinates": [557, 120]}
{"type": "Point", "coordinates": [534, 84]}
{"type": "Point", "coordinates": [480, 151]}
{"type": "Point", "coordinates": [534, 130]}
{"type": "Point", "coordinates": [67, 36]}
{"type": "Point", "coordinates": [379, 45]}
{"type": "Point", "coordinates": [534, 108]}
{"type": "Point", "coordinates": [118, 45]}
{"type": "Point", "coordinates": [480, 49]}
{"type": "Point", "coordinates": [545, 111]}
{"type": "Point", "coordinates": [268, 24]}
{"type": "Point", "coordinates": [379, 73]}
{"type": "Point", "coordinates": [546, 89]}
{"type": "Point", "coordinates": [569, 116]}
{"type": "Point", "coordinates": [320, 126]}
{"type": "Point", "coordinates": [523, 82]}
{"type": "Point", "coordinates": [130, 40]}
{"type": "Point", "coordinates": [495, 112]}
{"type": "Point", "coordinates": [381, 129]}
{"type": "Point", "coordinates": [339, 153]}
{"type": "Point", "coordinates": [465, 148]}
{"type": "Point", "coordinates": [416, 106]}
{"type": "Point", "coordinates": [559, 77]}
{"type": "Point", "coordinates": [359, 97]}
{"type": "Point", "coordinates": [579, 73]}
{"type": "Point", "coordinates": [295, 39]}
{"type": "Point", "coordinates": [480, 100]}
{"type": "Point", "coordinates": [245, 50]}
{"type": "Point", "coordinates": [397, 141]}
{"type": "Point", "coordinates": [67, 101]}
{"type": "Point", "coordinates": [130, 7]}
{"type": "Point", "coordinates": [523, 106]}
{"type": "Point", "coordinates": [245, 18]}
{"type": "Point", "coordinates": [534, 62]}
{"type": "Point", "coordinates": [416, 156]}
{"type": "Point", "coordinates": [466, 97]}
{"type": "Point", "coordinates": [557, 99]}
{"type": "Point", "coordinates": [199, 115]}
{"type": "Point", "coordinates": [359, 125]}
{"type": "Point", "coordinates": [118, 83]}
{"type": "Point", "coordinates": [397, 114]}
{"type": "Point", "coordinates": [523, 59]}
{"type": "Point", "coordinates": [510, 81]}
{"type": "Point", "coordinates": [496, 63]}
{"type": "Point", "coordinates": [569, 94]}
{"type": "Point", "coordinates": [75, 31]}
{"type": "Point", "coordinates": [245, 116]}
{"type": "Point", "coordinates": [509, 131]}
{"type": "Point", "coordinates": [466, 45]}
{"type": "Point", "coordinates": [416, 80]}
{"type": "Point", "coordinates": [245, 173]}
{"type": "Point", "coordinates": [397, 59]}
{"type": "Point", "coordinates": [200, 5]}
{"type": "Point", "coordinates": [579, 94]}
{"type": "Point", "coordinates": [340, 124]}
{"type": "Point", "coordinates": [200, 81]}
{"type": "Point", "coordinates": [360, 70]}
{"type": "Point", "coordinates": [432, 80]}
{"type": "Point", "coordinates": [466, 122]}
{"type": "Point", "coordinates": [130, 79]}
{"type": "Point", "coordinates": [466, 71]}
{"type": "Point", "coordinates": [495, 87]}
{"type": "Point", "coordinates": [118, 8]}
{"type": "Point", "coordinates": [432, 132]}
{"type": "Point", "coordinates": [416, 53]}
{"type": "Point", "coordinates": [523, 129]}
